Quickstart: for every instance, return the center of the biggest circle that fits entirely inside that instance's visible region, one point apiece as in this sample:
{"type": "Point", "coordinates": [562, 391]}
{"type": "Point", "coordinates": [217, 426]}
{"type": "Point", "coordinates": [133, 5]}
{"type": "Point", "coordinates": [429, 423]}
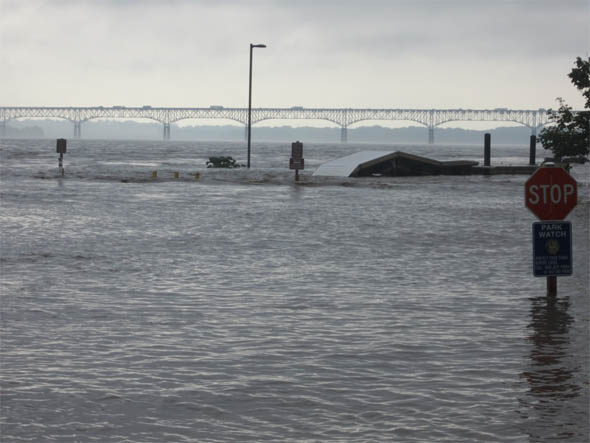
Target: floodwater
{"type": "Point", "coordinates": [242, 307]}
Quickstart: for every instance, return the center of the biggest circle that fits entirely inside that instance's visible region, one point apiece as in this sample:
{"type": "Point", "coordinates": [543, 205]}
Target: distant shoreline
{"type": "Point", "coordinates": [130, 130]}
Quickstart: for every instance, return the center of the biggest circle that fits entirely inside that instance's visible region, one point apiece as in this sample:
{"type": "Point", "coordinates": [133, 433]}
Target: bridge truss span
{"type": "Point", "coordinates": [343, 117]}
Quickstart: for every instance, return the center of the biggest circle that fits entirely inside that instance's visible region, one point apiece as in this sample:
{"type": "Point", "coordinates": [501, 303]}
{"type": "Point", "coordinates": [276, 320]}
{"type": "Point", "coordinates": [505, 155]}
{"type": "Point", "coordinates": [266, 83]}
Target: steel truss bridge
{"type": "Point", "coordinates": [343, 117]}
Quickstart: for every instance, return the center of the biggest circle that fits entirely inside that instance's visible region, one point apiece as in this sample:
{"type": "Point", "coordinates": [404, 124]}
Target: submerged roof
{"type": "Point", "coordinates": [390, 163]}
{"type": "Point", "coordinates": [346, 166]}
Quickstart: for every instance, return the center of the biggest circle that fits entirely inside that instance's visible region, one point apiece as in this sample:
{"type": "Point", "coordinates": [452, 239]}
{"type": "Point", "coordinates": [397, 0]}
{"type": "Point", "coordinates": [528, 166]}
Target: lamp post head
{"type": "Point", "coordinates": [257, 46]}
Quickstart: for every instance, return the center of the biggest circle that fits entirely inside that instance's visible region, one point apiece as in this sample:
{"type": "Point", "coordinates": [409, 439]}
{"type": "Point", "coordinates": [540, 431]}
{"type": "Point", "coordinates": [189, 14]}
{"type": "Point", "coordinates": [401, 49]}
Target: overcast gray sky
{"type": "Point", "coordinates": [321, 53]}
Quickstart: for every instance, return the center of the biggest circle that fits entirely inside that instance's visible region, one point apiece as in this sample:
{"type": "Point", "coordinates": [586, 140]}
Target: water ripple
{"type": "Point", "coordinates": [245, 308]}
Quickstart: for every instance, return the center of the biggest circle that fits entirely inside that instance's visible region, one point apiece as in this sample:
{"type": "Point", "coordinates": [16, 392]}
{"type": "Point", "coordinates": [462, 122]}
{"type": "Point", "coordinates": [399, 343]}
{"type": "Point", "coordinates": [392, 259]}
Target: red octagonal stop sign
{"type": "Point", "coordinates": [551, 193]}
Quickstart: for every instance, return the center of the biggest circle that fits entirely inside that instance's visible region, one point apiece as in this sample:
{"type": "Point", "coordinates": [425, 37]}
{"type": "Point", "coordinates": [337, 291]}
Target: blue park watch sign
{"type": "Point", "coordinates": [552, 248]}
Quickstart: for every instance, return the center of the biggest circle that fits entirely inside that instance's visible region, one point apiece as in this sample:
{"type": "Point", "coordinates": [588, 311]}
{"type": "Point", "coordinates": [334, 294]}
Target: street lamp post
{"type": "Point", "coordinates": [250, 99]}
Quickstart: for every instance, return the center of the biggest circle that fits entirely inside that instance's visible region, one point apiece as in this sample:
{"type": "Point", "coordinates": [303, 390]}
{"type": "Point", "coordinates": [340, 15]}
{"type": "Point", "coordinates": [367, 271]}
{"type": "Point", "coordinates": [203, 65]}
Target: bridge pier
{"type": "Point", "coordinates": [343, 134]}
{"type": "Point", "coordinates": [246, 133]}
{"type": "Point", "coordinates": [431, 135]}
{"type": "Point", "coordinates": [166, 131]}
{"type": "Point", "coordinates": [77, 129]}
{"type": "Point", "coordinates": [3, 129]}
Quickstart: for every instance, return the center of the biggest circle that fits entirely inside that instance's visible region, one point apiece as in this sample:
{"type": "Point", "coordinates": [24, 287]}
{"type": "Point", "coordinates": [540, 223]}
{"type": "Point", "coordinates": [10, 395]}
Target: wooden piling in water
{"type": "Point", "coordinates": [487, 149]}
{"type": "Point", "coordinates": [533, 150]}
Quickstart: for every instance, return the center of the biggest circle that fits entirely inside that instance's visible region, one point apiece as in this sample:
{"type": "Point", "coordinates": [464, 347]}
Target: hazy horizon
{"type": "Point", "coordinates": [126, 129]}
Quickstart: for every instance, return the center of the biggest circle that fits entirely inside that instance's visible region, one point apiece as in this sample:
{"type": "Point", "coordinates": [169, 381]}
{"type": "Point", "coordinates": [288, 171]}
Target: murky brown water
{"type": "Point", "coordinates": [244, 308]}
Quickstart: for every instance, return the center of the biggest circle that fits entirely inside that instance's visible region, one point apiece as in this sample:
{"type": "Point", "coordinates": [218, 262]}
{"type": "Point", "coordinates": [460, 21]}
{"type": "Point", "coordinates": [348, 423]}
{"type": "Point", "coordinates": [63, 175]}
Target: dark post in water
{"type": "Point", "coordinates": [552, 286]}
{"type": "Point", "coordinates": [487, 149]}
{"type": "Point", "coordinates": [296, 161]}
{"type": "Point", "coordinates": [533, 150]}
{"type": "Point", "coordinates": [61, 150]}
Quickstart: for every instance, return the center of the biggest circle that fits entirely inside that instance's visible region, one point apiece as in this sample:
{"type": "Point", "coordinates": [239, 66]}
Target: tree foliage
{"type": "Point", "coordinates": [570, 135]}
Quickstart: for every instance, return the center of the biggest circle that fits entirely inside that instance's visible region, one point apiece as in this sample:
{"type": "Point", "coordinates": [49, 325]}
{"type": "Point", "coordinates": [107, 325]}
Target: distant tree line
{"type": "Point", "coordinates": [24, 132]}
{"type": "Point", "coordinates": [121, 129]}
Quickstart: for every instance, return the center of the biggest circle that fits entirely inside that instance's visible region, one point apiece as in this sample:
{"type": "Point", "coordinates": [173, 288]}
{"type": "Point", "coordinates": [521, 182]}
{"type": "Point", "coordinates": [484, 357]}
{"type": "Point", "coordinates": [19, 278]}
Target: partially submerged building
{"type": "Point", "coordinates": [392, 164]}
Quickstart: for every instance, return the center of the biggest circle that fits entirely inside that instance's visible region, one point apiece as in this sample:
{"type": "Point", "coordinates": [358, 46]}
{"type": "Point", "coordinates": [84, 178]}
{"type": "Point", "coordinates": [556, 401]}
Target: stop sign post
{"type": "Point", "coordinates": [551, 193]}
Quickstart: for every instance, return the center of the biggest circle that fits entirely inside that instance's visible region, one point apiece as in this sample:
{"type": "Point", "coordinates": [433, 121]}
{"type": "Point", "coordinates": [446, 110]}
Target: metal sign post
{"type": "Point", "coordinates": [296, 162]}
{"type": "Point", "coordinates": [61, 150]}
{"type": "Point", "coordinates": [551, 193]}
